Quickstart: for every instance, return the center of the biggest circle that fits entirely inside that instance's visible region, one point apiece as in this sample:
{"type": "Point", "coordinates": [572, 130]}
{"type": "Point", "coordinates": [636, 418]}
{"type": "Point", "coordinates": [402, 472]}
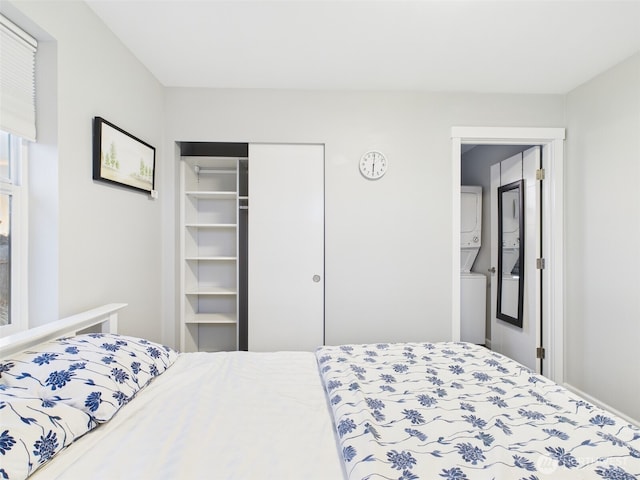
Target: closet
{"type": "Point", "coordinates": [251, 246]}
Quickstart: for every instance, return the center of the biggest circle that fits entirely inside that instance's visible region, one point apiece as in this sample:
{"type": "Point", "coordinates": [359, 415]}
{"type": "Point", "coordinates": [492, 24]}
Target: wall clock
{"type": "Point", "coordinates": [373, 165]}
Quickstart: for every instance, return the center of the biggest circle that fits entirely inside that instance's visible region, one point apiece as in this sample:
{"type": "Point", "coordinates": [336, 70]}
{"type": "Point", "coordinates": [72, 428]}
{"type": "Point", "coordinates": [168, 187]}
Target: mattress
{"type": "Point", "coordinates": [113, 407]}
{"type": "Point", "coordinates": [227, 415]}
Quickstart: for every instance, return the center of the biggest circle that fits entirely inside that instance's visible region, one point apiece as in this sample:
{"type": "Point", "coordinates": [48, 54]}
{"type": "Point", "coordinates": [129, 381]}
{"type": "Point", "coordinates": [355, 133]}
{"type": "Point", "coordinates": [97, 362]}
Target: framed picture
{"type": "Point", "coordinates": [122, 159]}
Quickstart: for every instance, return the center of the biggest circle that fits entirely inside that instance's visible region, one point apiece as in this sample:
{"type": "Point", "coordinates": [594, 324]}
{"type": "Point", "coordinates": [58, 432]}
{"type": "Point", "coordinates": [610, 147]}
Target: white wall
{"type": "Point", "coordinates": [602, 230]}
{"type": "Point", "coordinates": [109, 239]}
{"type": "Point", "coordinates": [388, 242]}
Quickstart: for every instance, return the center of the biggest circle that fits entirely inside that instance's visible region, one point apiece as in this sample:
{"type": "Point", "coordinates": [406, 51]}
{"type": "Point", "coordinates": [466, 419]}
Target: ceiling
{"type": "Point", "coordinates": [510, 46]}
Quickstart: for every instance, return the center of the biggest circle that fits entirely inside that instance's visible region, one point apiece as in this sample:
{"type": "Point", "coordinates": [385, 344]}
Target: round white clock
{"type": "Point", "coordinates": [373, 165]}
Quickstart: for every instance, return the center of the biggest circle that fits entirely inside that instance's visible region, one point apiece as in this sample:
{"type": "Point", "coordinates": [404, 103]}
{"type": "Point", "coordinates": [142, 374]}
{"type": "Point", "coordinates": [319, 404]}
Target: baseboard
{"type": "Point", "coordinates": [487, 343]}
{"type": "Point", "coordinates": [600, 404]}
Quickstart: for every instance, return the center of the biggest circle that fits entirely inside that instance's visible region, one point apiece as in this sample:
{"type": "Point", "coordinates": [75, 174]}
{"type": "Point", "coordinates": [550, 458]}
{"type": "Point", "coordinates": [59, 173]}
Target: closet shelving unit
{"type": "Point", "coordinates": [210, 203]}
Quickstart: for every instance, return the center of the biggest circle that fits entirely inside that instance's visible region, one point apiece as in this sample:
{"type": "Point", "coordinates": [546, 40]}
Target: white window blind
{"type": "Point", "coordinates": [17, 80]}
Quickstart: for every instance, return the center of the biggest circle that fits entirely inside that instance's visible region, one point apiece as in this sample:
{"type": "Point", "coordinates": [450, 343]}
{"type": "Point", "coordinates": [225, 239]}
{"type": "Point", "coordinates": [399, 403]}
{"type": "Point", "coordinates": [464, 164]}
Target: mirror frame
{"type": "Point", "coordinates": [516, 321]}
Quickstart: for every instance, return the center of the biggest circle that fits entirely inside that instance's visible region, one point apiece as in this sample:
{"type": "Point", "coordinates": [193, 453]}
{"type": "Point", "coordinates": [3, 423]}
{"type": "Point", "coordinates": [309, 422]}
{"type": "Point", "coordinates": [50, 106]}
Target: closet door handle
{"type": "Point", "coordinates": [492, 270]}
{"type": "Point", "coordinates": [316, 278]}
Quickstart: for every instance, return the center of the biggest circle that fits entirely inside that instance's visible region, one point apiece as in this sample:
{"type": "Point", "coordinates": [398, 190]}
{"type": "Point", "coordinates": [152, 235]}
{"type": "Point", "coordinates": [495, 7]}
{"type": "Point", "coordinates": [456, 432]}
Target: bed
{"type": "Point", "coordinates": [107, 406]}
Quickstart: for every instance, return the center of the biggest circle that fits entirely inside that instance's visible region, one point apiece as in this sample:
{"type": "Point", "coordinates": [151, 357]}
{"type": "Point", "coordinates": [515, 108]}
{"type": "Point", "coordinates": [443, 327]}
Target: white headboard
{"type": "Point", "coordinates": [105, 315]}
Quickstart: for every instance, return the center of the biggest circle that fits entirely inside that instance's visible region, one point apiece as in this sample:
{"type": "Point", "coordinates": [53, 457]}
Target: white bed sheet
{"type": "Point", "coordinates": [227, 415]}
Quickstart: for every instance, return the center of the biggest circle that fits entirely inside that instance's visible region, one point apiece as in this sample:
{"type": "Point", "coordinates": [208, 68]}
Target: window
{"type": "Point", "coordinates": [17, 126]}
{"type": "Point", "coordinates": [13, 235]}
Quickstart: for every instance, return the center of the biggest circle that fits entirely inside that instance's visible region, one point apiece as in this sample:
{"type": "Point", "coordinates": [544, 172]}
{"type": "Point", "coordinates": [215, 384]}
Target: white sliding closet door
{"type": "Point", "coordinates": [286, 247]}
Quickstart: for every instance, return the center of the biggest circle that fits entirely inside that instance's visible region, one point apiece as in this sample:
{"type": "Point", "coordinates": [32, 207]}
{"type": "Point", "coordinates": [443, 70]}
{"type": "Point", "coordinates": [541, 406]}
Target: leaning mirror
{"type": "Point", "coordinates": [511, 253]}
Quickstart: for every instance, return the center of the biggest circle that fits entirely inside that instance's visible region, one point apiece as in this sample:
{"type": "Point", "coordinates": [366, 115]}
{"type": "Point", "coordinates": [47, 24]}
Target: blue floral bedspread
{"type": "Point", "coordinates": [459, 411]}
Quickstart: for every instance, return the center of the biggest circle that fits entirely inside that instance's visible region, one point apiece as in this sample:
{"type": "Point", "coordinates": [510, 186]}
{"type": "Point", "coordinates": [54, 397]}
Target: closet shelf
{"type": "Point", "coordinates": [213, 170]}
{"type": "Point", "coordinates": [217, 195]}
{"type": "Point", "coordinates": [211, 225]}
{"type": "Point", "coordinates": [212, 318]}
{"type": "Point", "coordinates": [204, 258]}
{"type": "Point", "coordinates": [211, 291]}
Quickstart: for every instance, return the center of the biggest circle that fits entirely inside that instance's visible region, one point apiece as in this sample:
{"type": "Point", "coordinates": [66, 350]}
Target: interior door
{"type": "Point", "coordinates": [515, 342]}
{"type": "Point", "coordinates": [285, 247]}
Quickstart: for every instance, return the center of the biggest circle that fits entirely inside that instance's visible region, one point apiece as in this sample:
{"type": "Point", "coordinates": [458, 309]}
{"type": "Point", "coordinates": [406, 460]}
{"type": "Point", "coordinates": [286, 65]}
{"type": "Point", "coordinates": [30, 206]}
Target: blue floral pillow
{"type": "Point", "coordinates": [134, 361]}
{"type": "Point", "coordinates": [33, 430]}
{"type": "Point", "coordinates": [96, 373]}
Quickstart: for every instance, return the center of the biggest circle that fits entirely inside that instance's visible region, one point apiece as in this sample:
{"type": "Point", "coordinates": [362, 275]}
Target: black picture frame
{"type": "Point", "coordinates": [122, 159]}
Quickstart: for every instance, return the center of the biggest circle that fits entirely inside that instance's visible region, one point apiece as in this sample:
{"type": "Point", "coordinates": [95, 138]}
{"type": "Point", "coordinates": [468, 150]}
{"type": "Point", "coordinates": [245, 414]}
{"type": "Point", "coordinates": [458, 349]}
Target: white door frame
{"type": "Point", "coordinates": [552, 142]}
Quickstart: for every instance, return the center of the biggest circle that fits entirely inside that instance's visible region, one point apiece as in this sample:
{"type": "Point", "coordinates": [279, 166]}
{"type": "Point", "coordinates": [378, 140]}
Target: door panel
{"type": "Point", "coordinates": [531, 162]}
{"type": "Point", "coordinates": [286, 247]}
{"type": "Point", "coordinates": [514, 342]}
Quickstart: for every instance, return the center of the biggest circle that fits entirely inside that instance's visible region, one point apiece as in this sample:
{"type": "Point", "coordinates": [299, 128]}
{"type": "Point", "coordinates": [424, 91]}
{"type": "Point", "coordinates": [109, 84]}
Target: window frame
{"type": "Point", "coordinates": [16, 187]}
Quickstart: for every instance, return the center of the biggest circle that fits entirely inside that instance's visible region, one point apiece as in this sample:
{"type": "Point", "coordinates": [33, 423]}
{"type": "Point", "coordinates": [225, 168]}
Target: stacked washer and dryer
{"type": "Point", "coordinates": [473, 286]}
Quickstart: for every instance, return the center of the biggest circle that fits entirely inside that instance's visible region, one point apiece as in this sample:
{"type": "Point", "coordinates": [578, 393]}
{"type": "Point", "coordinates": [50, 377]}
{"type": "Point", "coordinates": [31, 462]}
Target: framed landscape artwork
{"type": "Point", "coordinates": [122, 159]}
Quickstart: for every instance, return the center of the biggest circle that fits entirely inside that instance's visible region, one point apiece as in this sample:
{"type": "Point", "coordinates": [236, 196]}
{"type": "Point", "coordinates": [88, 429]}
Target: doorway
{"type": "Point", "coordinates": [484, 168]}
{"type": "Point", "coordinates": [551, 141]}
